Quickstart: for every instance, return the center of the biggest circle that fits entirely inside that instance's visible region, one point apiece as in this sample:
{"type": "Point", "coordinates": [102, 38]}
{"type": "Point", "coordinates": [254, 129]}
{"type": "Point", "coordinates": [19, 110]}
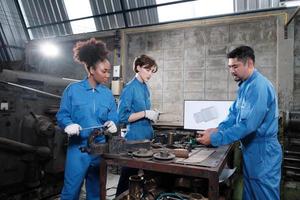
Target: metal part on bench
{"type": "Point", "coordinates": [119, 145]}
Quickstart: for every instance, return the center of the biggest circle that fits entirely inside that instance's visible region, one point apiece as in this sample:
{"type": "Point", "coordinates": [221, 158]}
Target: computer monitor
{"type": "Point", "coordinates": [201, 115]}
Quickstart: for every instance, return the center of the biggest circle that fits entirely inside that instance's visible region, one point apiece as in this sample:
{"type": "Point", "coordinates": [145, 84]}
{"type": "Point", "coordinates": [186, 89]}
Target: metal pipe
{"type": "Point", "coordinates": [294, 142]}
{"type": "Point", "coordinates": [291, 167]}
{"type": "Point", "coordinates": [292, 152]}
{"type": "Point", "coordinates": [293, 16]}
{"type": "Point", "coordinates": [12, 77]}
{"type": "Point", "coordinates": [31, 89]}
{"type": "Point", "coordinates": [292, 159]}
{"type": "Point", "coordinates": [291, 173]}
{"type": "Point", "coordinates": [19, 146]}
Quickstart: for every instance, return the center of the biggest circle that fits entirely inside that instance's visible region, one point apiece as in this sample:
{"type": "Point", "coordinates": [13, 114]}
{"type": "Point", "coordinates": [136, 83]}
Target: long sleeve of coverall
{"type": "Point", "coordinates": [135, 98]}
{"type": "Point", "coordinates": [124, 108]}
{"type": "Point", "coordinates": [64, 114]}
{"type": "Point", "coordinates": [230, 120]}
{"type": "Point", "coordinates": [253, 107]}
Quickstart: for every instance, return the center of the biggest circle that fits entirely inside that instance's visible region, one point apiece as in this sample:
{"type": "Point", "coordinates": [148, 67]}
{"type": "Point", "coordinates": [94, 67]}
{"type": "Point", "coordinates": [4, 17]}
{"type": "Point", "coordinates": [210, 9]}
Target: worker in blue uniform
{"type": "Point", "coordinates": [85, 104]}
{"type": "Point", "coordinates": [135, 110]}
{"type": "Point", "coordinates": [252, 119]}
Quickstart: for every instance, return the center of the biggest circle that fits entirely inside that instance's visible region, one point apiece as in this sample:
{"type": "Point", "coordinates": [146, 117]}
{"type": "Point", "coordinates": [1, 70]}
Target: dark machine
{"type": "Point", "coordinates": [291, 145]}
{"type": "Point", "coordinates": [32, 147]}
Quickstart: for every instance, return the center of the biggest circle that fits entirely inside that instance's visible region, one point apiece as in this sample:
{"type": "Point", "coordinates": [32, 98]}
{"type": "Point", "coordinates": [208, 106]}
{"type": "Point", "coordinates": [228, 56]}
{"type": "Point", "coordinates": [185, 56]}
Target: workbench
{"type": "Point", "coordinates": [210, 168]}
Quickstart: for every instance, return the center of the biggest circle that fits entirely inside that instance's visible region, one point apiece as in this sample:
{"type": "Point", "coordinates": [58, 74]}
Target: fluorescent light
{"type": "Point", "coordinates": [49, 49]}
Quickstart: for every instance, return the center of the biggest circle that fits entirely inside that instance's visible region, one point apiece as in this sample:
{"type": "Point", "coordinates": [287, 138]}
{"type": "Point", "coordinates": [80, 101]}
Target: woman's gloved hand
{"type": "Point", "coordinates": [111, 126]}
{"type": "Point", "coordinates": [152, 115]}
{"type": "Point", "coordinates": [73, 129]}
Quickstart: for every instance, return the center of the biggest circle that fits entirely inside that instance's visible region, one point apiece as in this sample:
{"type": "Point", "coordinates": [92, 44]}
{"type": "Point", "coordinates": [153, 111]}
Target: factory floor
{"type": "Point", "coordinates": [111, 184]}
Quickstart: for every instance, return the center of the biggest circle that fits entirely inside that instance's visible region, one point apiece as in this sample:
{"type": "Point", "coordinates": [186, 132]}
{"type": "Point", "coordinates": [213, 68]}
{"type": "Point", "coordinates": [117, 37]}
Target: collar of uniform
{"type": "Point", "coordinates": [85, 83]}
{"type": "Point", "coordinates": [98, 87]}
{"type": "Point", "coordinates": [249, 79]}
{"type": "Point", "coordinates": [139, 82]}
{"type": "Point", "coordinates": [87, 86]}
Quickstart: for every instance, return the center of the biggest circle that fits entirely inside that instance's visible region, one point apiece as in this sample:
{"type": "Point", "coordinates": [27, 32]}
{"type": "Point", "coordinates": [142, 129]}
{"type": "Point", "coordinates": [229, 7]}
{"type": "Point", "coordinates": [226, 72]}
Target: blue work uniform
{"type": "Point", "coordinates": [81, 104]}
{"type": "Point", "coordinates": [253, 119]}
{"type": "Point", "coordinates": [135, 97]}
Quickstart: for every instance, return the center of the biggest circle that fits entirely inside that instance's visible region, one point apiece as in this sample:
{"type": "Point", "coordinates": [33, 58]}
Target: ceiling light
{"type": "Point", "coordinates": [49, 49]}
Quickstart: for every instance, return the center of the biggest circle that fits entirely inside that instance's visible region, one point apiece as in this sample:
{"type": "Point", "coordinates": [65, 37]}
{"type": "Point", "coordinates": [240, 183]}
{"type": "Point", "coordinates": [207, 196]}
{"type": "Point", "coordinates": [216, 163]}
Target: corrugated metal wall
{"type": "Point", "coordinates": [247, 5]}
{"type": "Point", "coordinates": [41, 16]}
{"type": "Point", "coordinates": [46, 18]}
{"type": "Point", "coordinates": [141, 17]}
{"type": "Point", "coordinates": [109, 21]}
{"type": "Point", "coordinates": [12, 34]}
{"type": "Point", "coordinates": [49, 18]}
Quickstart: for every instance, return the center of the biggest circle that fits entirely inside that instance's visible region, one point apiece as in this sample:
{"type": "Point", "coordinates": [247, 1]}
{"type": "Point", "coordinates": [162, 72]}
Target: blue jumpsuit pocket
{"type": "Point", "coordinates": [245, 110]}
{"type": "Point", "coordinates": [102, 113]}
{"type": "Point", "coordinates": [80, 111]}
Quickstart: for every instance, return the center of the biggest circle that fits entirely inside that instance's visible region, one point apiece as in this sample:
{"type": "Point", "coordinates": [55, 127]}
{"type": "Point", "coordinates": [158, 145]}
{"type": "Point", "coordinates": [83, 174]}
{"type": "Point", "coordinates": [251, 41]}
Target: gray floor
{"type": "Point", "coordinates": [111, 186]}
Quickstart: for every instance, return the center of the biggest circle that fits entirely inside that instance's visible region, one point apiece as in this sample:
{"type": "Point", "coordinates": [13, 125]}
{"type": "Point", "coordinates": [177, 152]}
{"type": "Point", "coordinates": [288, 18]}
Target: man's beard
{"type": "Point", "coordinates": [236, 78]}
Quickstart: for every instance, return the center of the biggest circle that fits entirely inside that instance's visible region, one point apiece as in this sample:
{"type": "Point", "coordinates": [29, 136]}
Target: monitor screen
{"type": "Point", "coordinates": [201, 115]}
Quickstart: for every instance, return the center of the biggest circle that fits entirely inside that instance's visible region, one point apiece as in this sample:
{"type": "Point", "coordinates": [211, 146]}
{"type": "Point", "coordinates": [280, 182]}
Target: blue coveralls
{"type": "Point", "coordinates": [135, 97]}
{"type": "Point", "coordinates": [253, 119]}
{"type": "Point", "coordinates": [83, 105]}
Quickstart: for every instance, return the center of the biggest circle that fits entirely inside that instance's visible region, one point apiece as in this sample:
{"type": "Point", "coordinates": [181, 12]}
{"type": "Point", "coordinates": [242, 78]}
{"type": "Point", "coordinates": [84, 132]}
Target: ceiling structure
{"type": "Point", "coordinates": [25, 20]}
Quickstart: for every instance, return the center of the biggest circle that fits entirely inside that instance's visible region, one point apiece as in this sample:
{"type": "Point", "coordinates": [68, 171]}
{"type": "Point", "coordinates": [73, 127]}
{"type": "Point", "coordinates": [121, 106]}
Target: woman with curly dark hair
{"type": "Point", "coordinates": [86, 104]}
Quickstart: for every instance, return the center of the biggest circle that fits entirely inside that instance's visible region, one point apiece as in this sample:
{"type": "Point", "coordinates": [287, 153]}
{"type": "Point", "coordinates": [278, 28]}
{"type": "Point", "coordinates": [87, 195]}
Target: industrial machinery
{"type": "Point", "coordinates": [291, 162]}
{"type": "Point", "coordinates": [32, 147]}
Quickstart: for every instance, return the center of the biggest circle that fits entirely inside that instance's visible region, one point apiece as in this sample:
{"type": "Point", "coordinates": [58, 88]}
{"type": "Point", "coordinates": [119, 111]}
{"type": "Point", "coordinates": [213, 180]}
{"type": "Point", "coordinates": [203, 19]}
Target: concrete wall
{"type": "Point", "coordinates": [192, 58]}
{"type": "Point", "coordinates": [296, 100]}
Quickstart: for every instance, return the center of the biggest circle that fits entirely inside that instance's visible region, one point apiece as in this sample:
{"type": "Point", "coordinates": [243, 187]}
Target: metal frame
{"type": "Point", "coordinates": [123, 11]}
{"type": "Point", "coordinates": [3, 46]}
{"type": "Point", "coordinates": [22, 19]}
{"type": "Point", "coordinates": [289, 21]}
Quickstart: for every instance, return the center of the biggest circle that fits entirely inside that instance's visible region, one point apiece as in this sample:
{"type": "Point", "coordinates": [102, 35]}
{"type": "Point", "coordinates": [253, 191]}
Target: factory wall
{"type": "Point", "coordinates": [296, 101]}
{"type": "Point", "coordinates": [62, 65]}
{"type": "Point", "coordinates": [192, 59]}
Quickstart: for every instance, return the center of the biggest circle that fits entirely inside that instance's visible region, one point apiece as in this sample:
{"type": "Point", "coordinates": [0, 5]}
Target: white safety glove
{"type": "Point", "coordinates": [73, 129]}
{"type": "Point", "coordinates": [152, 115]}
{"type": "Point", "coordinates": [111, 126]}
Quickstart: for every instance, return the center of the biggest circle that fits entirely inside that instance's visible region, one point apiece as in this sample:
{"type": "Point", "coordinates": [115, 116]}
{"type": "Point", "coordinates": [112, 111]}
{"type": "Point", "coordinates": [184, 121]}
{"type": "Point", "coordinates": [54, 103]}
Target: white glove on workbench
{"type": "Point", "coordinates": [152, 115]}
{"type": "Point", "coordinates": [73, 129]}
{"type": "Point", "coordinates": [111, 126]}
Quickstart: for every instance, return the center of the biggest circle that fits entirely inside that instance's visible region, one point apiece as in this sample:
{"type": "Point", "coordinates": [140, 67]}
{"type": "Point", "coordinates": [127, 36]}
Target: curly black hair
{"type": "Point", "coordinates": [89, 52]}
